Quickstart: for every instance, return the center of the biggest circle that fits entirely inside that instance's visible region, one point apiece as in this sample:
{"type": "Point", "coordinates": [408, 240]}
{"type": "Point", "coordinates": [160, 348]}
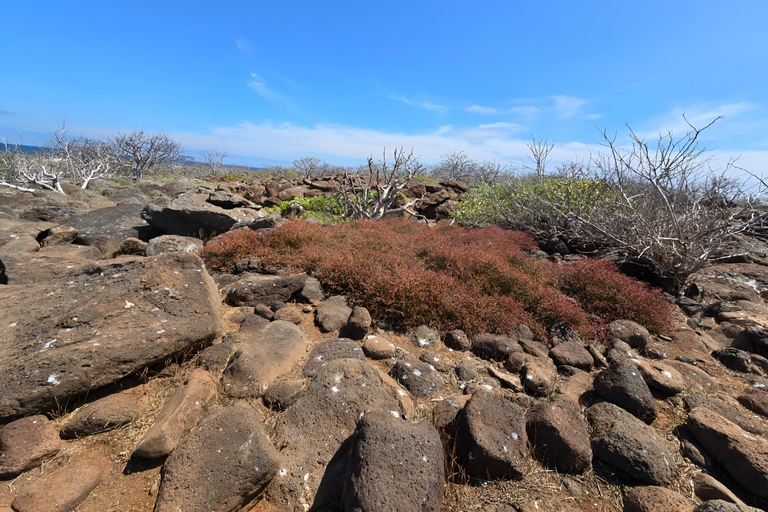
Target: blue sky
{"type": "Point", "coordinates": [272, 81]}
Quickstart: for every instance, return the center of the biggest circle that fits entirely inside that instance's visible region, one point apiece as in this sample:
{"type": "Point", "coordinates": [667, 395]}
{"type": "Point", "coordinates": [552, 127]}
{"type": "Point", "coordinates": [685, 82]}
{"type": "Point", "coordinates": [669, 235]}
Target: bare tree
{"type": "Point", "coordinates": [82, 159]}
{"type": "Point", "coordinates": [18, 169]}
{"type": "Point", "coordinates": [664, 204]}
{"type": "Point", "coordinates": [488, 172]}
{"type": "Point", "coordinates": [144, 151]}
{"type": "Point", "coordinates": [308, 166]}
{"type": "Point", "coordinates": [75, 160]}
{"type": "Point", "coordinates": [539, 151]}
{"type": "Point", "coordinates": [373, 196]}
{"type": "Point", "coordinates": [455, 166]}
{"type": "Point", "coordinates": [214, 160]}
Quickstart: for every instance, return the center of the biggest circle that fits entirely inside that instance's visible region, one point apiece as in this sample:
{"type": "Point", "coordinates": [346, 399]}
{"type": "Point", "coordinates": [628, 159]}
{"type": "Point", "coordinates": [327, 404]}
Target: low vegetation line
{"type": "Point", "coordinates": [477, 280]}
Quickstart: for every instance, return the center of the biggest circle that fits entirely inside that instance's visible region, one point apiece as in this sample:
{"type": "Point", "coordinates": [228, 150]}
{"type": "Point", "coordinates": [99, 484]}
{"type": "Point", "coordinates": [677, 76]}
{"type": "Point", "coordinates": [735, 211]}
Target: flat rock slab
{"type": "Point", "coordinates": [744, 456]}
{"type": "Point", "coordinates": [179, 414]}
{"type": "Point", "coordinates": [99, 323]}
{"type": "Point", "coordinates": [61, 491]}
{"type": "Point", "coordinates": [394, 465]}
{"type": "Point", "coordinates": [106, 413]}
{"type": "Point", "coordinates": [492, 441]}
{"type": "Point", "coordinates": [559, 435]}
{"type": "Point", "coordinates": [262, 358]}
{"type": "Point", "coordinates": [625, 442]}
{"type": "Point", "coordinates": [730, 408]}
{"type": "Point", "coordinates": [263, 289]}
{"type": "Point", "coordinates": [188, 214]}
{"type": "Point", "coordinates": [313, 429]}
{"type": "Point", "coordinates": [12, 229]}
{"type": "Point", "coordinates": [221, 465]}
{"type": "Point", "coordinates": [26, 443]}
{"type": "Point", "coordinates": [106, 228]}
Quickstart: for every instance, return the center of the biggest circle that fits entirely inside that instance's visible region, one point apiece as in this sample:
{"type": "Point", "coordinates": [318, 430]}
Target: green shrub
{"type": "Point", "coordinates": [327, 209]}
{"type": "Point", "coordinates": [533, 205]}
{"type": "Point", "coordinates": [477, 280]}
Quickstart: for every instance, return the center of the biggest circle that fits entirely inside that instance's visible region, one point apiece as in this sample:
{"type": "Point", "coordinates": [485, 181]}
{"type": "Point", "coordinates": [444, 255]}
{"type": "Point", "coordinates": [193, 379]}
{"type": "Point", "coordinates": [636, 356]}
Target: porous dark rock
{"type": "Point", "coordinates": [288, 314]}
{"type": "Point", "coordinates": [190, 214]}
{"type": "Point", "coordinates": [744, 456]}
{"type": "Point", "coordinates": [173, 243]}
{"type": "Point", "coordinates": [631, 333]}
{"type": "Point", "coordinates": [660, 376]}
{"type": "Point", "coordinates": [457, 340]}
{"type": "Point", "coordinates": [625, 442]}
{"type": "Point", "coordinates": [572, 353]}
{"type": "Point", "coordinates": [420, 378]}
{"type": "Point", "coordinates": [559, 435]}
{"type": "Point", "coordinates": [106, 228]}
{"type": "Point", "coordinates": [339, 348]}
{"type": "Point", "coordinates": [26, 443]}
{"type": "Point", "coordinates": [539, 376]}
{"type": "Point", "coordinates": [494, 347]}
{"type": "Point", "coordinates": [284, 393]}
{"type": "Point", "coordinates": [59, 491]}
{"type": "Point", "coordinates": [333, 313]}
{"type": "Point", "coordinates": [263, 289]}
{"type": "Point", "coordinates": [436, 360]}
{"type": "Point", "coordinates": [358, 323]}
{"type": "Point", "coordinates": [425, 337]}
{"type": "Point", "coordinates": [106, 413]}
{"type": "Point", "coordinates": [221, 465]}
{"type": "Point", "coordinates": [178, 415]}
{"type": "Point", "coordinates": [623, 385]}
{"type": "Point", "coordinates": [313, 429]}
{"type": "Point", "coordinates": [377, 347]}
{"type": "Point", "coordinates": [729, 408]}
{"type": "Point", "coordinates": [491, 440]}
{"type": "Point", "coordinates": [263, 357]}
{"type": "Point", "coordinates": [394, 465]}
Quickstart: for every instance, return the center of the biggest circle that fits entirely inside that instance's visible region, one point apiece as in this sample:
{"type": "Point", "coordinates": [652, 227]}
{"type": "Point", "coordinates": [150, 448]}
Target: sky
{"type": "Point", "coordinates": [269, 82]}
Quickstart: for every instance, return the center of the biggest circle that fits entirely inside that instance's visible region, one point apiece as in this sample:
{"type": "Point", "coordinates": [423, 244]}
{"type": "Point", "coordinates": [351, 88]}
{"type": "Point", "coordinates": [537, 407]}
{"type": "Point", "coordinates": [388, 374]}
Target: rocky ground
{"type": "Point", "coordinates": [136, 379]}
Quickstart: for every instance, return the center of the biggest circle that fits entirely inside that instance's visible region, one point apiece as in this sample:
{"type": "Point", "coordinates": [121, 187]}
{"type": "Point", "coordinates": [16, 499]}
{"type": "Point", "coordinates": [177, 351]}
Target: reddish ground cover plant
{"type": "Point", "coordinates": [605, 292]}
{"type": "Point", "coordinates": [477, 280]}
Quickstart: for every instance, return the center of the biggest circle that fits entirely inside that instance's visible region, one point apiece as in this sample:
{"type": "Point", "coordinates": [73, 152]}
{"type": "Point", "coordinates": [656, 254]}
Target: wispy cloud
{"type": "Point", "coordinates": [564, 107]}
{"type": "Point", "coordinates": [434, 107]}
{"type": "Point", "coordinates": [244, 46]}
{"type": "Point", "coordinates": [259, 85]}
{"type": "Point", "coordinates": [568, 106]}
{"type": "Point", "coordinates": [699, 115]}
{"type": "Point", "coordinates": [479, 109]}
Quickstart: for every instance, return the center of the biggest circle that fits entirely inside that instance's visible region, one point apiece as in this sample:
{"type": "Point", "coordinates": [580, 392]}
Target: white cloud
{"type": "Point", "coordinates": [260, 86]}
{"type": "Point", "coordinates": [482, 110]}
{"type": "Point", "coordinates": [342, 144]}
{"type": "Point", "coordinates": [699, 115]}
{"type": "Point", "coordinates": [563, 106]}
{"type": "Point", "coordinates": [442, 109]}
{"type": "Point", "coordinates": [244, 46]}
{"type": "Point", "coordinates": [567, 106]}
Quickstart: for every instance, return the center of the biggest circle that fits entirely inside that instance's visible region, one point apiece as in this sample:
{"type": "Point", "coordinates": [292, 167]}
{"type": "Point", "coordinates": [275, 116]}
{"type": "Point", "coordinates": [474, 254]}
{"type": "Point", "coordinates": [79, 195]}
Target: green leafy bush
{"type": "Point", "coordinates": [325, 208]}
{"type": "Point", "coordinates": [477, 280]}
{"type": "Point", "coordinates": [533, 205]}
